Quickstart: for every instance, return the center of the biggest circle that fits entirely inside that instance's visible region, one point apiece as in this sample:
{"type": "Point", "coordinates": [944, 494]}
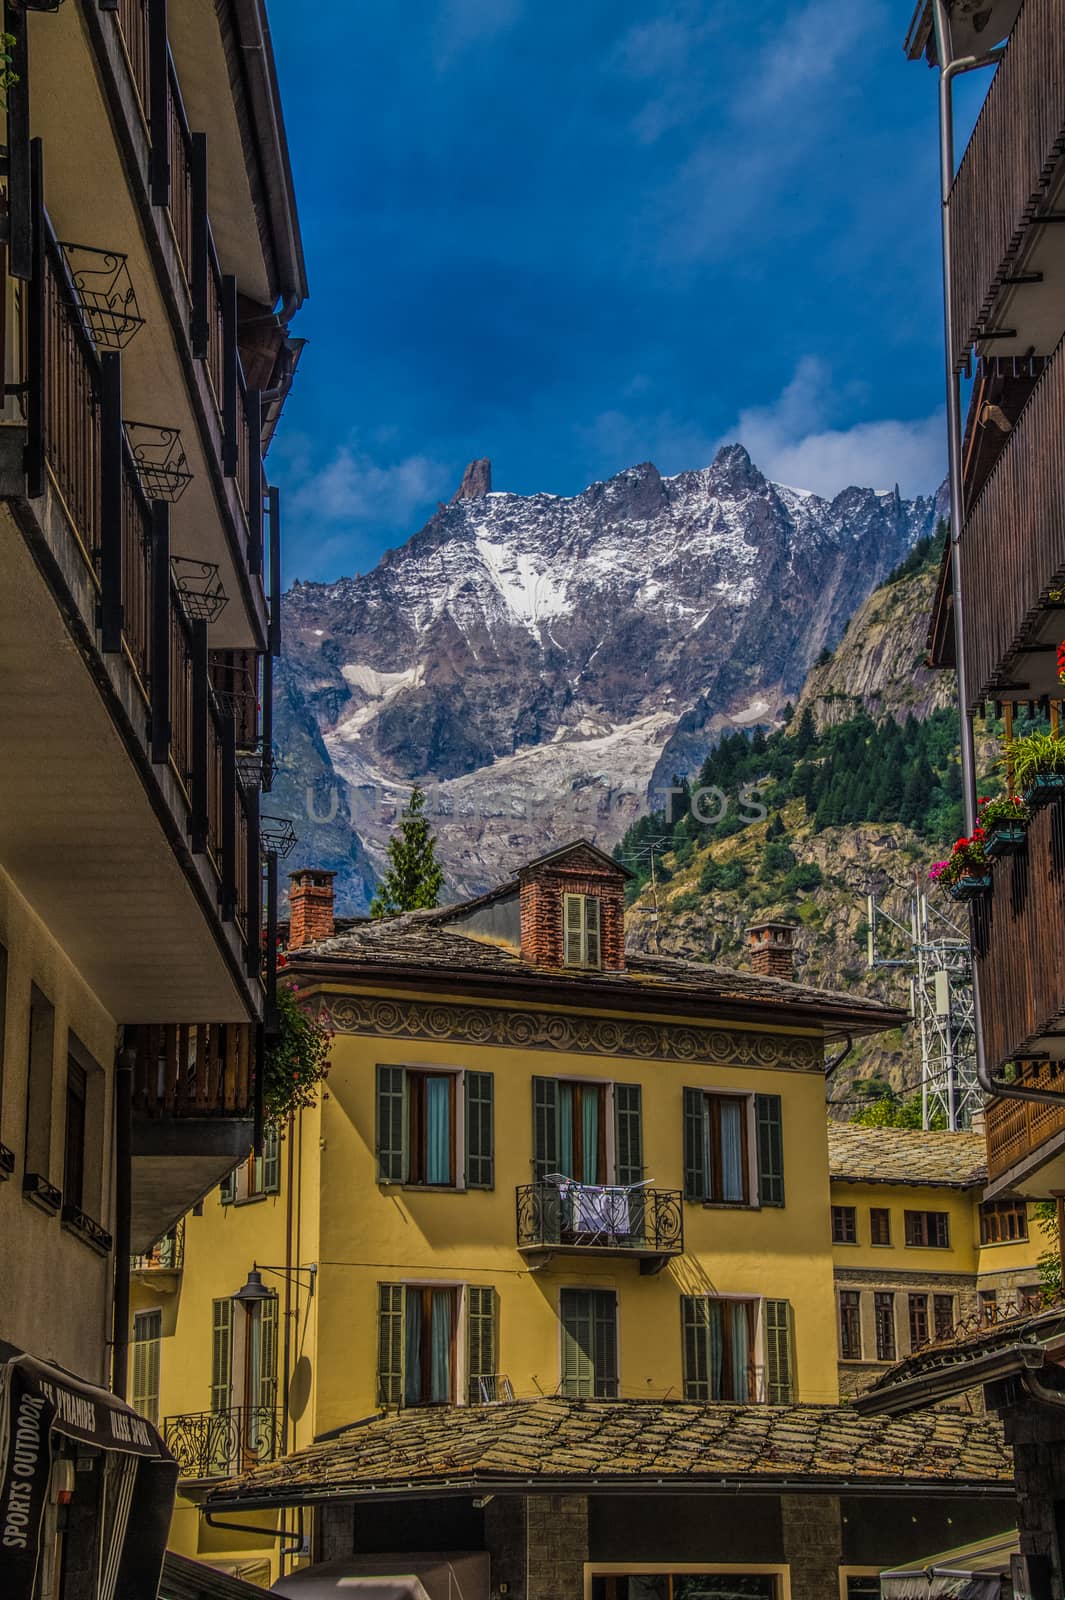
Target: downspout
{"type": "Point", "coordinates": [948, 71]}
{"type": "Point", "coordinates": [1039, 1391]}
{"type": "Point", "coordinates": [124, 1060]}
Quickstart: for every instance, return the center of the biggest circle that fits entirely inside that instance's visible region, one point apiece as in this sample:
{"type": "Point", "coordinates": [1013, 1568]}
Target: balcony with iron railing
{"type": "Point", "coordinates": [165, 1258]}
{"type": "Point", "coordinates": [1006, 184]}
{"type": "Point", "coordinates": [567, 1218]}
{"type": "Point", "coordinates": [221, 1444]}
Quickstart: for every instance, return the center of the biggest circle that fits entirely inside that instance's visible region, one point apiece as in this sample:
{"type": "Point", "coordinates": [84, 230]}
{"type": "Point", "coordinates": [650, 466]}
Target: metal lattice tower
{"type": "Point", "coordinates": [935, 953]}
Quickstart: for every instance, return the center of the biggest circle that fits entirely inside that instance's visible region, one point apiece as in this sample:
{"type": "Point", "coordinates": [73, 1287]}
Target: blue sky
{"type": "Point", "coordinates": [575, 234]}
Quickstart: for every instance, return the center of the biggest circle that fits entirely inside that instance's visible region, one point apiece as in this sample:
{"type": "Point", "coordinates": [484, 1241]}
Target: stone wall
{"type": "Point", "coordinates": [812, 1539]}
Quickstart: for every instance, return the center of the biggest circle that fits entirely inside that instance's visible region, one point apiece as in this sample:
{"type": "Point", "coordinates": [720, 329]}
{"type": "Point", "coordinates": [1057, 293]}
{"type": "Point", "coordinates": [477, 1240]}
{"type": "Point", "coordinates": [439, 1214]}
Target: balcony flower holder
{"type": "Point", "coordinates": [966, 873]}
{"type": "Point", "coordinates": [200, 588]}
{"type": "Point", "coordinates": [104, 290]}
{"type": "Point", "coordinates": [1005, 824]}
{"type": "Point", "coordinates": [250, 768]}
{"type": "Point", "coordinates": [277, 834]}
{"type": "Point", "coordinates": [1036, 763]}
{"type": "Point", "coordinates": [159, 459]}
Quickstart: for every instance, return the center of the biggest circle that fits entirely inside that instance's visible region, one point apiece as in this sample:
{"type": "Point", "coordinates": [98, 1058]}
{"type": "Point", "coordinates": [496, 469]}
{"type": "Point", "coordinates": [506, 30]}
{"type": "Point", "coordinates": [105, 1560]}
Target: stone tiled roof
{"type": "Point", "coordinates": [547, 1444]}
{"type": "Point", "coordinates": [905, 1155]}
{"type": "Point", "coordinates": [423, 939]}
{"type": "Point", "coordinates": [950, 1366]}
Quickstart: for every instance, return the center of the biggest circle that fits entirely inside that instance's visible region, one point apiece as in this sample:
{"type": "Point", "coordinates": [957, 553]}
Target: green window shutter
{"type": "Point", "coordinates": [591, 930]}
{"type": "Point", "coordinates": [480, 1133]}
{"type": "Point", "coordinates": [267, 1385]}
{"type": "Point", "coordinates": [694, 1145]}
{"type": "Point", "coordinates": [780, 1389]}
{"type": "Point", "coordinates": [389, 1344]}
{"type": "Point", "coordinates": [227, 1189]}
{"type": "Point", "coordinates": [695, 1345]}
{"type": "Point", "coordinates": [222, 1355]}
{"type": "Point", "coordinates": [589, 1343]}
{"type": "Point", "coordinates": [545, 1126]}
{"type": "Point", "coordinates": [391, 1124]}
{"type": "Point", "coordinates": [480, 1340]}
{"type": "Point", "coordinates": [606, 1345]}
{"type": "Point", "coordinates": [574, 911]}
{"type": "Point", "coordinates": [770, 1150]}
{"type": "Point", "coordinates": [271, 1174]}
{"type": "Point", "coordinates": [147, 1334]}
{"type": "Point", "coordinates": [628, 1141]}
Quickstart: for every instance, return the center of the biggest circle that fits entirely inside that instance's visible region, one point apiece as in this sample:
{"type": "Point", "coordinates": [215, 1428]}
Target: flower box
{"type": "Point", "coordinates": [1004, 839]}
{"type": "Point", "coordinates": [1044, 787]}
{"type": "Point", "coordinates": [969, 888]}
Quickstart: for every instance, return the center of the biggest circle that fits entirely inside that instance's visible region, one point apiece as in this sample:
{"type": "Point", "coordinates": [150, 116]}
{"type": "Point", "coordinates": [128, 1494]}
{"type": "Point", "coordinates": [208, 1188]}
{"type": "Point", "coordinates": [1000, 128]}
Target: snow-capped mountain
{"type": "Point", "coordinates": [540, 663]}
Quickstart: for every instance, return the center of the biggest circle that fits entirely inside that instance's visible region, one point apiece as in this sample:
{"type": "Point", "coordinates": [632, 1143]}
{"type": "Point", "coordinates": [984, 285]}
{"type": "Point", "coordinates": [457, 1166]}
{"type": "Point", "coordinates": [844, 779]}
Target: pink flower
{"type": "Point", "coordinates": [936, 870]}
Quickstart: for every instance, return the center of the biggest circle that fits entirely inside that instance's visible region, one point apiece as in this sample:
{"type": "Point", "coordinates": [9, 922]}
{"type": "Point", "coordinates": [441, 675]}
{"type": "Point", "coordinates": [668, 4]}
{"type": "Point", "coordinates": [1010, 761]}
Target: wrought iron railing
{"type": "Point", "coordinates": [218, 1444]}
{"type": "Point", "coordinates": [71, 399]}
{"type": "Point", "coordinates": [133, 26]}
{"type": "Point", "coordinates": [166, 1254]}
{"type": "Point", "coordinates": [600, 1218]}
{"type": "Point", "coordinates": [194, 1069]}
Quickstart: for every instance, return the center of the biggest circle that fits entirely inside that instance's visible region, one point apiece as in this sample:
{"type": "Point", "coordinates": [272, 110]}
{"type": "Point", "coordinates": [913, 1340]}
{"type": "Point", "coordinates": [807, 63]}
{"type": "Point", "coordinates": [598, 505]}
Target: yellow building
{"type": "Point", "coordinates": [918, 1253]}
{"type": "Point", "coordinates": [546, 1181]}
{"type": "Point", "coordinates": [149, 268]}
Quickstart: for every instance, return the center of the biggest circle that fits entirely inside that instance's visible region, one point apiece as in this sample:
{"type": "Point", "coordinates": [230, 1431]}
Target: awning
{"type": "Point", "coordinates": [973, 1572]}
{"type": "Point", "coordinates": [429, 1575]}
{"type": "Point", "coordinates": [39, 1404]}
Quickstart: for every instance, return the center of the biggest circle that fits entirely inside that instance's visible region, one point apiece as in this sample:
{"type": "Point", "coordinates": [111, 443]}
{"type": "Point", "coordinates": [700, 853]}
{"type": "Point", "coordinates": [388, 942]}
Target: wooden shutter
{"type": "Point", "coordinates": [778, 1362]}
{"type": "Point", "coordinates": [591, 930]}
{"type": "Point", "coordinates": [695, 1345]}
{"type": "Point", "coordinates": [391, 1124]}
{"type": "Point", "coordinates": [578, 1366]}
{"type": "Point", "coordinates": [605, 1345]}
{"type": "Point", "coordinates": [480, 1340]}
{"type": "Point", "coordinates": [628, 1127]}
{"type": "Point", "coordinates": [770, 1150]}
{"type": "Point", "coordinates": [267, 1385]}
{"type": "Point", "coordinates": [222, 1355]}
{"type": "Point", "coordinates": [390, 1344]}
{"type": "Point", "coordinates": [545, 1126]}
{"type": "Point", "coordinates": [271, 1170]}
{"type": "Point", "coordinates": [480, 1133]}
{"type": "Point", "coordinates": [695, 1178]}
{"type": "Point", "coordinates": [147, 1333]}
{"type": "Point", "coordinates": [574, 912]}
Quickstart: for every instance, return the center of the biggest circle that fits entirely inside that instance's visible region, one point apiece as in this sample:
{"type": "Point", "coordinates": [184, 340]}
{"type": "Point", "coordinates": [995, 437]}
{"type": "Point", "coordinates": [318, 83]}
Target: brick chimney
{"type": "Point", "coordinates": [772, 947]}
{"type": "Point", "coordinates": [310, 907]}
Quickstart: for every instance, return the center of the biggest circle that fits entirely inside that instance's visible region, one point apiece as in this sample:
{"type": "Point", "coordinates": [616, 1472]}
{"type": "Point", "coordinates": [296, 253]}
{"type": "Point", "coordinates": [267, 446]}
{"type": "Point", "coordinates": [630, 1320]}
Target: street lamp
{"type": "Point", "coordinates": [254, 1291]}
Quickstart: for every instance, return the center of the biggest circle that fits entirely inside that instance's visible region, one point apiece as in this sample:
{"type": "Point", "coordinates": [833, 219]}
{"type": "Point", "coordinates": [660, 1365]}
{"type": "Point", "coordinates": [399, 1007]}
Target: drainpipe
{"type": "Point", "coordinates": [948, 70]}
{"type": "Point", "coordinates": [124, 1060]}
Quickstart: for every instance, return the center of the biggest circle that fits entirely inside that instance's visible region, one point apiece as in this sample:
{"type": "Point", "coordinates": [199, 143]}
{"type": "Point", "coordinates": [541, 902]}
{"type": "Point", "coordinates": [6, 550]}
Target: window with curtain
{"type": "Point", "coordinates": [571, 1120]}
{"type": "Point", "coordinates": [589, 1343]}
{"type": "Point", "coordinates": [717, 1143]}
{"type": "Point", "coordinates": [419, 1113]}
{"type": "Point", "coordinates": [147, 1344]}
{"type": "Point", "coordinates": [417, 1341]}
{"type": "Point", "coordinates": [718, 1348]}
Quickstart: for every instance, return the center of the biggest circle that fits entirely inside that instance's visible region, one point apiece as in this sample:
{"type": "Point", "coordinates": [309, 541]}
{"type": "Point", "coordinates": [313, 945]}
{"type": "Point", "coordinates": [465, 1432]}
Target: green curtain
{"type": "Point", "coordinates": [732, 1151]}
{"type": "Point", "coordinates": [740, 1342]}
{"type": "Point", "coordinates": [565, 1130]}
{"type": "Point", "coordinates": [437, 1130]}
{"type": "Point", "coordinates": [440, 1347]}
{"type": "Point", "coordinates": [716, 1344]}
{"type": "Point", "coordinates": [590, 1135]}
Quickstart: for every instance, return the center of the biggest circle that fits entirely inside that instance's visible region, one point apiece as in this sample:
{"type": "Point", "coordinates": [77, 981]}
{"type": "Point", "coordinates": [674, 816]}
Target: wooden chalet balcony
{"type": "Point", "coordinates": [1026, 1140]}
{"type": "Point", "coordinates": [1013, 549]}
{"type": "Point", "coordinates": [600, 1220]}
{"type": "Point", "coordinates": [1007, 174]}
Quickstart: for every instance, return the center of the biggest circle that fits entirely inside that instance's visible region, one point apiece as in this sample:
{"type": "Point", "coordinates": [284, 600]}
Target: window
{"type": "Point", "coordinates": [987, 1304]}
{"type": "Point", "coordinates": [644, 1583]}
{"type": "Point", "coordinates": [39, 1091]}
{"type": "Point", "coordinates": [928, 1228]}
{"type": "Point", "coordinates": [879, 1225]}
{"type": "Point", "coordinates": [589, 1343]}
{"type": "Point", "coordinates": [227, 1189]}
{"type": "Point", "coordinates": [74, 1146]}
{"type": "Point", "coordinates": [943, 1315]}
{"type": "Point", "coordinates": [718, 1348]}
{"type": "Point", "coordinates": [1003, 1221]}
{"type": "Point", "coordinates": [435, 1128]}
{"type": "Point", "coordinates": [844, 1225]}
{"type": "Point", "coordinates": [222, 1355]}
{"type": "Point", "coordinates": [884, 1317]}
{"type": "Point", "coordinates": [717, 1139]}
{"type": "Point", "coordinates": [264, 1172]}
{"type": "Point", "coordinates": [147, 1336]}
{"type": "Point", "coordinates": [418, 1329]}
{"type": "Point", "coordinates": [581, 914]}
{"type": "Point", "coordinates": [918, 1320]}
{"type": "Point", "coordinates": [260, 1358]}
{"type": "Point", "coordinates": [1029, 1297]}
{"type": "Point", "coordinates": [850, 1325]}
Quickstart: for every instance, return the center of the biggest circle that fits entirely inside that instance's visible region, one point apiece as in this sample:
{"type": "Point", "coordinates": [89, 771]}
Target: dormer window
{"type": "Point", "coordinates": [582, 946]}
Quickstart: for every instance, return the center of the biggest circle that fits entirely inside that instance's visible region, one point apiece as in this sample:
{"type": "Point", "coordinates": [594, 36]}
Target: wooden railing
{"type": "Point", "coordinates": [1007, 168]}
{"type": "Point", "coordinates": [194, 1070]}
{"type": "Point", "coordinates": [133, 26]}
{"type": "Point", "coordinates": [1016, 1128]}
{"type": "Point", "coordinates": [1013, 542]}
{"type": "Point", "coordinates": [1017, 943]}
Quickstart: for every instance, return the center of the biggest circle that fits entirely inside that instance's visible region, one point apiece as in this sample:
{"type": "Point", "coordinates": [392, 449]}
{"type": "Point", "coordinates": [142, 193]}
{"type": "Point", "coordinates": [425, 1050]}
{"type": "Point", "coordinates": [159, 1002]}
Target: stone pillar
{"type": "Point", "coordinates": [505, 1533]}
{"type": "Point", "coordinates": [1037, 1434]}
{"type": "Point", "coordinates": [334, 1528]}
{"type": "Point", "coordinates": [813, 1543]}
{"type": "Point", "coordinates": [557, 1545]}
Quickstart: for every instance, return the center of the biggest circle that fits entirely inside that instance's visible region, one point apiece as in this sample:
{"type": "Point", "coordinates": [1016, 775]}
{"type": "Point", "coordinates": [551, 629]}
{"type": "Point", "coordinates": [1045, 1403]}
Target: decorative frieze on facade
{"type": "Point", "coordinates": [563, 1033]}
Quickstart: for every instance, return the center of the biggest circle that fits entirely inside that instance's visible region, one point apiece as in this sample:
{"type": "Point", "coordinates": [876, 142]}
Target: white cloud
{"type": "Point", "coordinates": [354, 489]}
{"type": "Point", "coordinates": [793, 441]}
{"type": "Point", "coordinates": [463, 23]}
{"type": "Point", "coordinates": [804, 52]}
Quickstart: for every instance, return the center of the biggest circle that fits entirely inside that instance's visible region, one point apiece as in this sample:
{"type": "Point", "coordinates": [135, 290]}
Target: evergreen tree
{"type": "Point", "coordinates": [414, 878]}
{"type": "Point", "coordinates": [805, 733]}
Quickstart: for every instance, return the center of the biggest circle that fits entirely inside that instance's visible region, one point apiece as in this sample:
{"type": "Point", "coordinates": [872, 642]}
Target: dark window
{"type": "Point", "coordinates": [844, 1225]}
{"type": "Point", "coordinates": [39, 1091]}
{"type": "Point", "coordinates": [930, 1229]}
{"type": "Point", "coordinates": [1002, 1221]}
{"type": "Point", "coordinates": [943, 1313]}
{"type": "Point", "coordinates": [879, 1225]}
{"type": "Point", "coordinates": [685, 1586]}
{"type": "Point", "coordinates": [987, 1301]}
{"type": "Point", "coordinates": [884, 1315]}
{"type": "Point", "coordinates": [863, 1588]}
{"type": "Point", "coordinates": [850, 1325]}
{"type": "Point", "coordinates": [74, 1146]}
{"type": "Point", "coordinates": [1029, 1297]}
{"type": "Point", "coordinates": [918, 1320]}
{"type": "Point", "coordinates": [3, 1021]}
{"type": "Point", "coordinates": [589, 1343]}
{"type": "Point", "coordinates": [227, 1189]}
{"type": "Point", "coordinates": [718, 1348]}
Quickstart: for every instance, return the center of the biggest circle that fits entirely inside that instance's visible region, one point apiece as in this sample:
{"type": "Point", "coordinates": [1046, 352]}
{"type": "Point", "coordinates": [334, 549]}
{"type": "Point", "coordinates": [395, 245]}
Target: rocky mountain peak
{"type": "Point", "coordinates": [476, 481]}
